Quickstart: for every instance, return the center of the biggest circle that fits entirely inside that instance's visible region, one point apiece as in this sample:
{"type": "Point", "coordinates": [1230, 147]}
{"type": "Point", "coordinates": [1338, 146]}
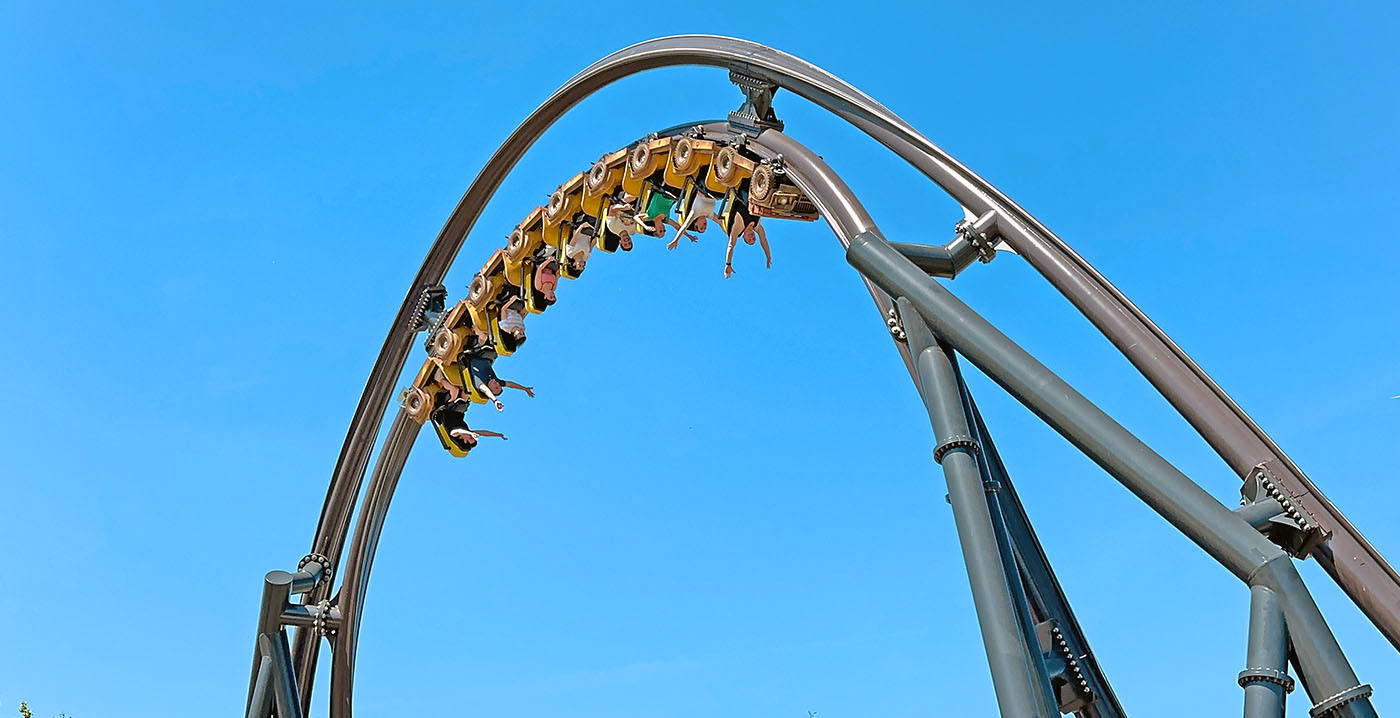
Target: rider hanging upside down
{"type": "Point", "coordinates": [512, 319]}
{"type": "Point", "coordinates": [745, 226]}
{"type": "Point", "coordinates": [622, 220]}
{"type": "Point", "coordinates": [546, 278]}
{"type": "Point", "coordinates": [702, 210]}
{"type": "Point", "coordinates": [653, 221]}
{"type": "Point", "coordinates": [451, 414]}
{"type": "Point", "coordinates": [580, 247]}
{"type": "Point", "coordinates": [481, 367]}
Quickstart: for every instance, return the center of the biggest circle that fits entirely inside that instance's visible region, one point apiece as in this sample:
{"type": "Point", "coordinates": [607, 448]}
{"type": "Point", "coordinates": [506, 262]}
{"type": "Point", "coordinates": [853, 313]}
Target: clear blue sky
{"type": "Point", "coordinates": [208, 217]}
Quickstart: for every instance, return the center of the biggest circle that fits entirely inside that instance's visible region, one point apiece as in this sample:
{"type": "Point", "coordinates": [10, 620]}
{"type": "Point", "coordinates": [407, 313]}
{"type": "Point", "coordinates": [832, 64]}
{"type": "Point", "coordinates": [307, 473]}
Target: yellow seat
{"type": "Point", "coordinates": [732, 200]}
{"type": "Point", "coordinates": [417, 399]}
{"type": "Point", "coordinates": [489, 290]}
{"type": "Point", "coordinates": [688, 157]}
{"type": "Point", "coordinates": [565, 201]}
{"type": "Point", "coordinates": [603, 238]}
{"type": "Point", "coordinates": [602, 180]}
{"type": "Point", "coordinates": [687, 202]}
{"type": "Point", "coordinates": [728, 169]}
{"type": "Point", "coordinates": [535, 301]}
{"type": "Point", "coordinates": [485, 288]}
{"type": "Point", "coordinates": [448, 442]}
{"type": "Point", "coordinates": [523, 245]}
{"type": "Point", "coordinates": [558, 238]}
{"type": "Point", "coordinates": [645, 158]}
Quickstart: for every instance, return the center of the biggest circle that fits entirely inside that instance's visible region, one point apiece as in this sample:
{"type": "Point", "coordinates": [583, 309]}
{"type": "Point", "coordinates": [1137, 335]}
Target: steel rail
{"type": "Point", "coordinates": [1046, 252]}
{"type": "Point", "coordinates": [368, 530]}
{"type": "Point", "coordinates": [836, 201]}
{"type": "Point", "coordinates": [1347, 556]}
{"type": "Point", "coordinates": [348, 476]}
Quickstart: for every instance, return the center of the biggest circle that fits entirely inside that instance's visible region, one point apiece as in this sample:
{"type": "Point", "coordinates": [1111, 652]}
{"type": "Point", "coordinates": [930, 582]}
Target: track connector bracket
{"type": "Point", "coordinates": [1294, 530]}
{"type": "Point", "coordinates": [756, 114]}
{"type": "Point", "coordinates": [981, 234]}
{"type": "Point", "coordinates": [431, 303]}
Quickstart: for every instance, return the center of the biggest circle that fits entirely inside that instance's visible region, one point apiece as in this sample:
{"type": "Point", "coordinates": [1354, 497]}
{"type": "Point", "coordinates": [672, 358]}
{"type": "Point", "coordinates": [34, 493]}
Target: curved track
{"type": "Point", "coordinates": [1357, 567]}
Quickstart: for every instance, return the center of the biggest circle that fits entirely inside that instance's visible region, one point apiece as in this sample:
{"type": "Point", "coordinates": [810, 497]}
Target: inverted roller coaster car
{"type": "Point", "coordinates": [645, 158]}
{"type": "Point", "coordinates": [602, 181]}
{"type": "Point", "coordinates": [526, 251]}
{"type": "Point", "coordinates": [453, 333]}
{"type": "Point", "coordinates": [607, 239]}
{"type": "Point", "coordinates": [491, 291]}
{"type": "Point", "coordinates": [730, 167]}
{"type": "Point", "coordinates": [432, 405]}
{"type": "Point", "coordinates": [689, 157]}
{"type": "Point", "coordinates": [772, 195]}
{"type": "Point", "coordinates": [566, 201]}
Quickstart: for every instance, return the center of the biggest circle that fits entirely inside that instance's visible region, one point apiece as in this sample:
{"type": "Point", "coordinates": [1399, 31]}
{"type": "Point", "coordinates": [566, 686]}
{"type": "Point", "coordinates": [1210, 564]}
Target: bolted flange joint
{"type": "Point", "coordinates": [1266, 675]}
{"type": "Point", "coordinates": [1328, 706]}
{"type": "Point", "coordinates": [956, 441]}
{"type": "Point", "coordinates": [327, 572]}
{"type": "Point", "coordinates": [324, 622]}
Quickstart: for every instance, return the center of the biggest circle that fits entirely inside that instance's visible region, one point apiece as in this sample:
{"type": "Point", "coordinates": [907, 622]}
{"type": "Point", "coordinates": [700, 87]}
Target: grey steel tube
{"type": "Point", "coordinates": [1265, 677]}
{"type": "Point", "coordinates": [1259, 513]}
{"type": "Point", "coordinates": [260, 702]}
{"type": "Point", "coordinates": [1015, 584]}
{"type": "Point", "coordinates": [360, 559]}
{"type": "Point", "coordinates": [307, 578]}
{"type": "Point", "coordinates": [284, 683]}
{"type": "Point", "coordinates": [1323, 668]}
{"type": "Point", "coordinates": [940, 261]}
{"type": "Point", "coordinates": [1212, 526]}
{"type": "Point", "coordinates": [277, 591]}
{"type": "Point", "coordinates": [1018, 688]}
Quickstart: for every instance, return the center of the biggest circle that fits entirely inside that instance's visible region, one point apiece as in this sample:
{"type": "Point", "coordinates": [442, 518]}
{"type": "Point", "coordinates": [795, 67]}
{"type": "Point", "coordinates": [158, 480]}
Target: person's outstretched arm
{"type": "Point", "coordinates": [681, 231]}
{"type": "Point", "coordinates": [488, 432]}
{"type": "Point", "coordinates": [529, 390]}
{"type": "Point", "coordinates": [500, 406]}
{"type": "Point", "coordinates": [763, 242]}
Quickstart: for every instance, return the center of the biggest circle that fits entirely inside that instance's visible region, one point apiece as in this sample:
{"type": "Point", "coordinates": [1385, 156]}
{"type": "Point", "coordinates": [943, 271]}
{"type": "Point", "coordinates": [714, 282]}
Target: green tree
{"type": "Point", "coordinates": [24, 711]}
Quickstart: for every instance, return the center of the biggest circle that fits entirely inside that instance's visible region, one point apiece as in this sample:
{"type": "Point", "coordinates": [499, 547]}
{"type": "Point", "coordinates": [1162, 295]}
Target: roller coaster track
{"type": "Point", "coordinates": [1040, 661]}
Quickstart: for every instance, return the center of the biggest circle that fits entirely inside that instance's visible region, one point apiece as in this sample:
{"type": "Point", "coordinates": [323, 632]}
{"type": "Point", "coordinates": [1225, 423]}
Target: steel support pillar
{"type": "Point", "coordinates": [277, 592]}
{"type": "Point", "coordinates": [1197, 514]}
{"type": "Point", "coordinates": [1265, 679]}
{"type": "Point", "coordinates": [1018, 673]}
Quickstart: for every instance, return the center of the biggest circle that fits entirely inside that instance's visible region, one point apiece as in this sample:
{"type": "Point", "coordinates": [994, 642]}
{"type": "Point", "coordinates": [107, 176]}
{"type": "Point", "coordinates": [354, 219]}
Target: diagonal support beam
{"type": "Point", "coordinates": [1219, 532]}
{"type": "Point", "coordinates": [1083, 682]}
{"type": "Point", "coordinates": [1018, 672]}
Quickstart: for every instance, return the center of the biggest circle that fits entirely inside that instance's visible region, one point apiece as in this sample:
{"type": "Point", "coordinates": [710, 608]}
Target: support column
{"type": "Point", "coordinates": [1235, 544]}
{"type": "Point", "coordinates": [1265, 679]}
{"type": "Point", "coordinates": [277, 592]}
{"type": "Point", "coordinates": [1019, 690]}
